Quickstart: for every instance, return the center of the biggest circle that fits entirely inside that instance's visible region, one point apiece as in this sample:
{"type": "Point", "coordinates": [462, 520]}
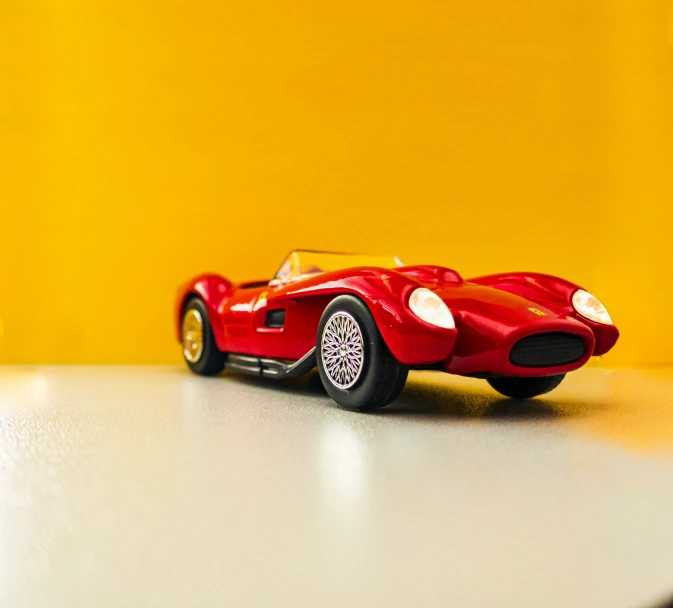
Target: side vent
{"type": "Point", "coordinates": [275, 318]}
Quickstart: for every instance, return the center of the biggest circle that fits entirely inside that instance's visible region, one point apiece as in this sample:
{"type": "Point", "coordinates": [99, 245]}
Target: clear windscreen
{"type": "Point", "coordinates": [301, 264]}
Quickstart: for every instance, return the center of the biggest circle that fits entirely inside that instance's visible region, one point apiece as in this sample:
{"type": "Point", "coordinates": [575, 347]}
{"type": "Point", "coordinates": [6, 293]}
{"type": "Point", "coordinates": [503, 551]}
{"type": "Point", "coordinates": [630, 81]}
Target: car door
{"type": "Point", "coordinates": [268, 328]}
{"type": "Point", "coordinates": [284, 327]}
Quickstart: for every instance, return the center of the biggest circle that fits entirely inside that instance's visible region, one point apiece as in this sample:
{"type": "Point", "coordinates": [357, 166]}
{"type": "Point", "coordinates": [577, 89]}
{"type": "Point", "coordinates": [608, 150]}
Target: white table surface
{"type": "Point", "coordinates": [148, 486]}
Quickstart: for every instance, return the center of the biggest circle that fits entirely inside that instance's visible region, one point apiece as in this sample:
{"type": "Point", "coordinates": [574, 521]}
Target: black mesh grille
{"type": "Point", "coordinates": [547, 350]}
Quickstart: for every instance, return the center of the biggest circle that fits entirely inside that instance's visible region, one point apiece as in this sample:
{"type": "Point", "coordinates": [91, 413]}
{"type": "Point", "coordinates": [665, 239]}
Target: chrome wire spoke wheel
{"type": "Point", "coordinates": [192, 335]}
{"type": "Point", "coordinates": [342, 350]}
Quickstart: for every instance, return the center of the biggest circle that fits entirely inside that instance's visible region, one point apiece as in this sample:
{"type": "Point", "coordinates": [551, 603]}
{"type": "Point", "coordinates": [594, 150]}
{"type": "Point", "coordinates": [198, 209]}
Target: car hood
{"type": "Point", "coordinates": [469, 300]}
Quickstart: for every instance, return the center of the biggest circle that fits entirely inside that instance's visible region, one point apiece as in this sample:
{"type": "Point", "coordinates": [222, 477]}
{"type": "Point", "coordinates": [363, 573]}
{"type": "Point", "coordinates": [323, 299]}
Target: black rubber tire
{"type": "Point", "coordinates": [382, 377]}
{"type": "Point", "coordinates": [525, 388]}
{"type": "Point", "coordinates": [212, 359]}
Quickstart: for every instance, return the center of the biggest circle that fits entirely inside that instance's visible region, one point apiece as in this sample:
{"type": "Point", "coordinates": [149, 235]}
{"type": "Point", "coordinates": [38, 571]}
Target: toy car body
{"type": "Point", "coordinates": [364, 321]}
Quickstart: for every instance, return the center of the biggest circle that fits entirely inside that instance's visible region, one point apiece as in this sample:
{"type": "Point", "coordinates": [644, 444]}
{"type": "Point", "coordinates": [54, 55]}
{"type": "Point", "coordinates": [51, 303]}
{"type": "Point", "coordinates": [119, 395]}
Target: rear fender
{"type": "Point", "coordinates": [213, 289]}
{"type": "Point", "coordinates": [554, 293]}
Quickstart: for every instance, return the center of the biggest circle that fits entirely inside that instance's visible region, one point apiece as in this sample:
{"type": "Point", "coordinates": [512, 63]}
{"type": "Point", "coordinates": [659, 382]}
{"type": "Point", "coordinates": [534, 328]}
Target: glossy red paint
{"type": "Point", "coordinates": [554, 293]}
{"type": "Point", "coordinates": [489, 322]}
{"type": "Point", "coordinates": [214, 290]}
{"type": "Point", "coordinates": [386, 292]}
{"type": "Point", "coordinates": [491, 314]}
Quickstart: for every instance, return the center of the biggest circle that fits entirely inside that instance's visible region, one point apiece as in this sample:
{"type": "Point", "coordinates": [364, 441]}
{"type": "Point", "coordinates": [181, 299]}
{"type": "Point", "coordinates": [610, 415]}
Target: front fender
{"type": "Point", "coordinates": [554, 293]}
{"type": "Point", "coordinates": [213, 289]}
{"type": "Point", "coordinates": [386, 293]}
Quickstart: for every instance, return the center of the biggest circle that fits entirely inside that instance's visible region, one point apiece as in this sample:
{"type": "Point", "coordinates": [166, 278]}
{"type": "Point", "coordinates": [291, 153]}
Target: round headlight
{"type": "Point", "coordinates": [590, 307]}
{"type": "Point", "coordinates": [430, 308]}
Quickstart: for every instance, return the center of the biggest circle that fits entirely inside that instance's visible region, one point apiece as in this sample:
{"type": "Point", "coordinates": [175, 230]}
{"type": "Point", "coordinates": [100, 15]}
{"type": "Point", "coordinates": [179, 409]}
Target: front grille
{"type": "Point", "coordinates": [547, 350]}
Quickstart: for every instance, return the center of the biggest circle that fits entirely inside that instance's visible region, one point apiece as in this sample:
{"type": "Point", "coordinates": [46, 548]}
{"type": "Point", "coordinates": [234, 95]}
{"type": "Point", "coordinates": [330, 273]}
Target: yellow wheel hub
{"type": "Point", "coordinates": [192, 335]}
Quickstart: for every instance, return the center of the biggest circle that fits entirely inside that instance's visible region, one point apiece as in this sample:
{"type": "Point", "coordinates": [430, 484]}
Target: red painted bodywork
{"type": "Point", "coordinates": [491, 314]}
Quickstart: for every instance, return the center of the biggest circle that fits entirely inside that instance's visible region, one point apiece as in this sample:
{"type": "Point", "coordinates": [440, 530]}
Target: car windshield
{"type": "Point", "coordinates": [300, 263]}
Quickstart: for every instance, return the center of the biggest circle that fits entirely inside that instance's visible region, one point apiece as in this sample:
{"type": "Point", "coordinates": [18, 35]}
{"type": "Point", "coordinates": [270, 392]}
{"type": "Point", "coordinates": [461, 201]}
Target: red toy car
{"type": "Point", "coordinates": [365, 321]}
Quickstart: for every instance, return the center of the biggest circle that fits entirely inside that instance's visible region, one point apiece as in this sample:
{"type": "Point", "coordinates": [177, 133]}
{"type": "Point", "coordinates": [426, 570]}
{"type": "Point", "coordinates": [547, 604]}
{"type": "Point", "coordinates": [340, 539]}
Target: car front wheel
{"type": "Point", "coordinates": [525, 388]}
{"type": "Point", "coordinates": [355, 366]}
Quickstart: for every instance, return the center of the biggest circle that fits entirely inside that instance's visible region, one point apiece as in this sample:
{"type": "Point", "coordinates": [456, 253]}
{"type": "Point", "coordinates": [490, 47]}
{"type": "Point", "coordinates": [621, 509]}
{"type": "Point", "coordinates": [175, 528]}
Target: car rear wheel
{"type": "Point", "coordinates": [355, 366]}
{"type": "Point", "coordinates": [525, 388]}
{"type": "Point", "coordinates": [198, 343]}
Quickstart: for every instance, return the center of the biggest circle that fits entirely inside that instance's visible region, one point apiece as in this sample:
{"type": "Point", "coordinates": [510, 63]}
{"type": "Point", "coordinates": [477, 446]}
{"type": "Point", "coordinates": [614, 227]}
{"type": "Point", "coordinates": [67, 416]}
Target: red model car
{"type": "Point", "coordinates": [365, 321]}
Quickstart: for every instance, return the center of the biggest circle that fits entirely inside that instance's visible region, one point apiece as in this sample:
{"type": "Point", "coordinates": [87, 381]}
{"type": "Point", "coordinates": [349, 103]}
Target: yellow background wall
{"type": "Point", "coordinates": [143, 141]}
